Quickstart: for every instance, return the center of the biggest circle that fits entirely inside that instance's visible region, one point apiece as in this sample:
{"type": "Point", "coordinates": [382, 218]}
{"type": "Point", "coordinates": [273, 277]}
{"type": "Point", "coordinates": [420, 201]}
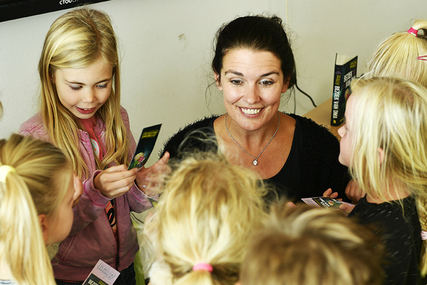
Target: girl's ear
{"type": "Point", "coordinates": [44, 226]}
{"type": "Point", "coordinates": [381, 155]}
{"type": "Point", "coordinates": [218, 81]}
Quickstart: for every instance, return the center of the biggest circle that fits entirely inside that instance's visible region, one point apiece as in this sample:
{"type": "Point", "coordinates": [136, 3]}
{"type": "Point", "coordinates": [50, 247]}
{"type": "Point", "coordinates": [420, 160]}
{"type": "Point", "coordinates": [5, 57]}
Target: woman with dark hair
{"type": "Point", "coordinates": [253, 65]}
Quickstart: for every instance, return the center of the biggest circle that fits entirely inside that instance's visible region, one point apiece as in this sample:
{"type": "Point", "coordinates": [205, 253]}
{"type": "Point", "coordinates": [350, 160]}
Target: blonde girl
{"type": "Point", "coordinates": [384, 144]}
{"type": "Point", "coordinates": [403, 54]}
{"type": "Point", "coordinates": [81, 114]}
{"type": "Point", "coordinates": [202, 221]}
{"type": "Point", "coordinates": [36, 196]}
{"type": "Point", "coordinates": [312, 245]}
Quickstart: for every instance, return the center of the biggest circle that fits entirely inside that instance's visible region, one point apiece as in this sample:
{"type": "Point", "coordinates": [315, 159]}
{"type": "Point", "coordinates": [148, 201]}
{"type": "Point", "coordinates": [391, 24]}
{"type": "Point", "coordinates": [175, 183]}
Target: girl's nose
{"type": "Point", "coordinates": [341, 131]}
{"type": "Point", "coordinates": [89, 96]}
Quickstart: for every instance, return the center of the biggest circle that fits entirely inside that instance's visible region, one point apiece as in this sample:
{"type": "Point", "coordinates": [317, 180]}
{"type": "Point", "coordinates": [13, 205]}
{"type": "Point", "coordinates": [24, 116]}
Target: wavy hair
{"type": "Point", "coordinates": [396, 110]}
{"type": "Point", "coordinates": [317, 246]}
{"type": "Point", "coordinates": [398, 55]}
{"type": "Point", "coordinates": [206, 214]}
{"type": "Point", "coordinates": [35, 187]}
{"type": "Point", "coordinates": [76, 40]}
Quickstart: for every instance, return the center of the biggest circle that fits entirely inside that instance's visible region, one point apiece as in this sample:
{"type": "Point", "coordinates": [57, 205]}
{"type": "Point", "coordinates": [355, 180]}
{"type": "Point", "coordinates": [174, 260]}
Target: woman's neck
{"type": "Point", "coordinates": [255, 138]}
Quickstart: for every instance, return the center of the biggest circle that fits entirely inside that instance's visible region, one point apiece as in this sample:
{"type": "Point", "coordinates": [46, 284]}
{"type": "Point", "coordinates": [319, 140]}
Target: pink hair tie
{"type": "Point", "coordinates": [423, 235]}
{"type": "Point", "coordinates": [423, 57]}
{"type": "Point", "coordinates": [413, 32]}
{"type": "Point", "coordinates": [202, 266]}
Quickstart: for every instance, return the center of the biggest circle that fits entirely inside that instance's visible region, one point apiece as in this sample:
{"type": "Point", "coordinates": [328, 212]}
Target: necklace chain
{"type": "Point", "coordinates": [255, 161]}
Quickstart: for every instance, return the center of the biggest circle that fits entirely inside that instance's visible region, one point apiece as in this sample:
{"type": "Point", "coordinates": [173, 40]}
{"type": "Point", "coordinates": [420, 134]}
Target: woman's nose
{"type": "Point", "coordinates": [251, 94]}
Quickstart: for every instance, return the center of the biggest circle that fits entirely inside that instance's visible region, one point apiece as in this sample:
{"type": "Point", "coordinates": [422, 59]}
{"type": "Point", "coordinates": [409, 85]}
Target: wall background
{"type": "Point", "coordinates": [166, 48]}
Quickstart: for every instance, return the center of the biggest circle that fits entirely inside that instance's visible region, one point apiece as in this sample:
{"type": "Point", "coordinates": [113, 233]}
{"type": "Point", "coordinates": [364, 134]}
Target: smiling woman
{"type": "Point", "coordinates": [253, 65]}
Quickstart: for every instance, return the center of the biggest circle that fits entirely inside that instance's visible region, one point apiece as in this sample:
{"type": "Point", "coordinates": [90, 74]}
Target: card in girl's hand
{"type": "Point", "coordinates": [324, 202]}
{"type": "Point", "coordinates": [145, 146]}
{"type": "Point", "coordinates": [102, 274]}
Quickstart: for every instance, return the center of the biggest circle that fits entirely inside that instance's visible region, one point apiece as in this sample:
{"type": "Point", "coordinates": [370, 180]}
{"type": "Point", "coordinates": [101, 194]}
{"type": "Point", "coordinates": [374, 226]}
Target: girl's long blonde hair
{"type": "Point", "coordinates": [396, 112]}
{"type": "Point", "coordinates": [206, 213]}
{"type": "Point", "coordinates": [398, 55]}
{"type": "Point", "coordinates": [35, 186]}
{"type": "Point", "coordinates": [76, 40]}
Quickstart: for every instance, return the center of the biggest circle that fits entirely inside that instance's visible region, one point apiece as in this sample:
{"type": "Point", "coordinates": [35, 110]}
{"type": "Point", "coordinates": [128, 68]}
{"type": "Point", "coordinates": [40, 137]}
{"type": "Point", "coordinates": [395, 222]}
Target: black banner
{"type": "Point", "coordinates": [14, 9]}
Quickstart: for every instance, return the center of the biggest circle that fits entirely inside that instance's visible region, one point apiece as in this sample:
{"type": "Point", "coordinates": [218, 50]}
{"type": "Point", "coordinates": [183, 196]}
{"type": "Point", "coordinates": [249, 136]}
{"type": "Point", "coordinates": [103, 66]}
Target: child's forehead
{"type": "Point", "coordinates": [351, 102]}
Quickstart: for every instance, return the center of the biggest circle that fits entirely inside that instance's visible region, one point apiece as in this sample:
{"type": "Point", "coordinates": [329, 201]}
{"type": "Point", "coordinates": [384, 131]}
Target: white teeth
{"type": "Point", "coordinates": [251, 111]}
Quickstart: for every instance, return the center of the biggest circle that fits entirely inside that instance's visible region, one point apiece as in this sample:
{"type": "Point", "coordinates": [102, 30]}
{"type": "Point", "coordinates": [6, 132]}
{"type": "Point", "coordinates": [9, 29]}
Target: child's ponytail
{"type": "Point", "coordinates": [32, 175]}
{"type": "Point", "coordinates": [21, 242]}
{"type": "Point", "coordinates": [201, 277]}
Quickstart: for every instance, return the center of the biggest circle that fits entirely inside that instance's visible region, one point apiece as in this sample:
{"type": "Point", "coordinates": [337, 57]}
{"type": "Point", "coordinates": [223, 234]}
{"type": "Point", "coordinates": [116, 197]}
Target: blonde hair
{"type": "Point", "coordinates": [396, 110]}
{"type": "Point", "coordinates": [317, 246]}
{"type": "Point", "coordinates": [36, 186]}
{"type": "Point", "coordinates": [397, 56]}
{"type": "Point", "coordinates": [76, 40]}
{"type": "Point", "coordinates": [206, 213]}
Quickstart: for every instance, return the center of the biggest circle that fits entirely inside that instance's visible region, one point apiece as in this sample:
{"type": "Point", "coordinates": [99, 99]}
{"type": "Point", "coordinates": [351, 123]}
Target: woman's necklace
{"type": "Point", "coordinates": [255, 161]}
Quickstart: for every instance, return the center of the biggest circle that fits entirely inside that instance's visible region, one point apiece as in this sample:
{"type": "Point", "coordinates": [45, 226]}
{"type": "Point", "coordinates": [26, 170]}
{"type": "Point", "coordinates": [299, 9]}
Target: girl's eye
{"type": "Point", "coordinates": [75, 87]}
{"type": "Point", "coordinates": [102, 85]}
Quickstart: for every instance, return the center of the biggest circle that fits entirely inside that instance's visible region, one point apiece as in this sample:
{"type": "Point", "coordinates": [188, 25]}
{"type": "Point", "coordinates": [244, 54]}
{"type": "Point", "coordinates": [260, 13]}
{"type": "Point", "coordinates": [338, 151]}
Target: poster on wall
{"type": "Point", "coordinates": [15, 9]}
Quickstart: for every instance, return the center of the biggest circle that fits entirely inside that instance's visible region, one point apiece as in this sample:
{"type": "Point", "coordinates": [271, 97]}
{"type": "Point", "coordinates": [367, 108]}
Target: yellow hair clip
{"type": "Point", "coordinates": [4, 170]}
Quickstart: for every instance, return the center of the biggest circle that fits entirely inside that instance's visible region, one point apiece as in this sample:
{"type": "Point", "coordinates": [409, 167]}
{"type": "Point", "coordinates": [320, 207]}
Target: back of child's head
{"type": "Point", "coordinates": [203, 219]}
{"type": "Point", "coordinates": [391, 115]}
{"type": "Point", "coordinates": [403, 54]}
{"type": "Point", "coordinates": [34, 177]}
{"type": "Point", "coordinates": [317, 246]}
{"type": "Point", "coordinates": [76, 40]}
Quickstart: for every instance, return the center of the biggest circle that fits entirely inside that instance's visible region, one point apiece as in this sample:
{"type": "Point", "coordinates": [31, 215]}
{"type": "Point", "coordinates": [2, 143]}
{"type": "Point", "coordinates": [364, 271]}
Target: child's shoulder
{"type": "Point", "coordinates": [392, 212]}
{"type": "Point", "coordinates": [34, 127]}
{"type": "Point", "coordinates": [124, 115]}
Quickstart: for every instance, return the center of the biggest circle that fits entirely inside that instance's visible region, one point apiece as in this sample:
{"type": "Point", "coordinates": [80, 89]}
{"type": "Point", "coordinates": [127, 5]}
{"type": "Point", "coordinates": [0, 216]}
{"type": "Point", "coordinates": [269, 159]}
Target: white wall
{"type": "Point", "coordinates": [166, 48]}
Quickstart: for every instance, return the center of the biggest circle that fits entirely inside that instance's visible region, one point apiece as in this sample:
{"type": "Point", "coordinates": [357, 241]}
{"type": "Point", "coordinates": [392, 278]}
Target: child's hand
{"type": "Point", "coordinates": [354, 192]}
{"type": "Point", "coordinates": [151, 179]}
{"type": "Point", "coordinates": [78, 189]}
{"type": "Point", "coordinates": [115, 181]}
{"type": "Point", "coordinates": [329, 194]}
{"type": "Point", "coordinates": [346, 208]}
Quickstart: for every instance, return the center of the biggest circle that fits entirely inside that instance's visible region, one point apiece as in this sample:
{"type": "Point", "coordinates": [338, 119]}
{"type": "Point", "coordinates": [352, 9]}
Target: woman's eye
{"type": "Point", "coordinates": [236, 81]}
{"type": "Point", "coordinates": [102, 85]}
{"type": "Point", "coordinates": [266, 82]}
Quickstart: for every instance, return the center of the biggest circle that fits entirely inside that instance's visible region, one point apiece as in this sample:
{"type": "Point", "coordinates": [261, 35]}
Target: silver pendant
{"type": "Point", "coordinates": [255, 162]}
